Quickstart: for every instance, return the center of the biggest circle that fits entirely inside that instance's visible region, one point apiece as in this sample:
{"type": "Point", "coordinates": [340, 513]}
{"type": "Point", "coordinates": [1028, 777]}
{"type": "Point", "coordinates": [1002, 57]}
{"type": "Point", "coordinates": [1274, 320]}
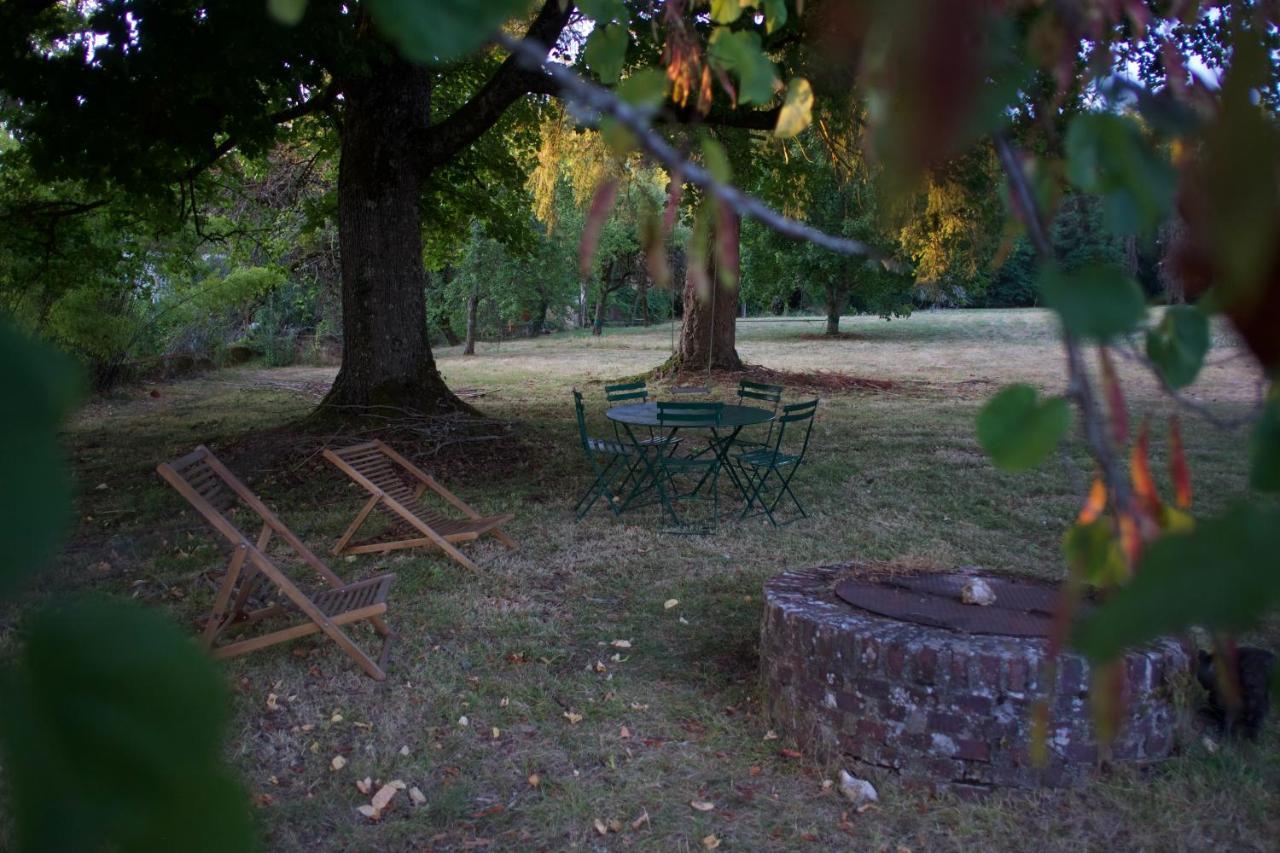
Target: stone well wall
{"type": "Point", "coordinates": [939, 707]}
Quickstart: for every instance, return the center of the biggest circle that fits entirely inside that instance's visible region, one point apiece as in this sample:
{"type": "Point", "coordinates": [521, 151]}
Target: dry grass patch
{"type": "Point", "coordinates": [524, 650]}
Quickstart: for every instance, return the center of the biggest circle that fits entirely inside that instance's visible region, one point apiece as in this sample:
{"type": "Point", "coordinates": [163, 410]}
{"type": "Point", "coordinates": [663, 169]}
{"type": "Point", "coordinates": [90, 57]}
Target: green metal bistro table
{"type": "Point", "coordinates": [723, 430]}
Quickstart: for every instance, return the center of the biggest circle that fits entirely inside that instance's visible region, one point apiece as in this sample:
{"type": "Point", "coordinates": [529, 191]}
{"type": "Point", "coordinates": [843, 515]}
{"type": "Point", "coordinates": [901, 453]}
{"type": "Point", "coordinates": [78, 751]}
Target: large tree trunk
{"type": "Point", "coordinates": [473, 308]}
{"type": "Point", "coordinates": [709, 332]}
{"type": "Point", "coordinates": [386, 356]}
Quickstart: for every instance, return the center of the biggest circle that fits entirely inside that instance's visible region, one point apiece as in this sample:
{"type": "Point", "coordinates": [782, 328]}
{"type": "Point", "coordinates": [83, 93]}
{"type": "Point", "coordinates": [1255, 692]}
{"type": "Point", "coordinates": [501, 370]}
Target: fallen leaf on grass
{"type": "Point", "coordinates": [702, 805]}
{"type": "Point", "coordinates": [711, 842]}
{"type": "Point", "coordinates": [384, 796]}
{"type": "Point", "coordinates": [398, 784]}
{"type": "Point", "coordinates": [600, 827]}
{"type": "Point", "coordinates": [615, 825]}
{"type": "Point", "coordinates": [771, 735]}
{"type": "Point", "coordinates": [463, 721]}
{"type": "Point", "coordinates": [789, 753]}
{"type": "Point", "coordinates": [364, 785]}
{"type": "Point", "coordinates": [338, 762]}
{"type": "Point", "coordinates": [670, 603]}
{"type": "Point", "coordinates": [369, 811]}
{"type": "Point", "coordinates": [640, 821]}
{"type": "Point", "coordinates": [600, 667]}
{"type": "Point", "coordinates": [755, 770]}
{"type": "Point", "coordinates": [404, 750]}
{"type": "Point", "coordinates": [496, 732]}
{"type": "Point", "coordinates": [624, 733]}
{"type": "Point", "coordinates": [273, 702]}
{"type": "Point", "coordinates": [417, 796]}
{"type": "Point", "coordinates": [866, 807]}
{"type": "Point", "coordinates": [573, 718]}
{"type": "Point", "coordinates": [621, 644]}
{"type": "Point", "coordinates": [336, 718]}
{"type": "Point", "coordinates": [504, 702]}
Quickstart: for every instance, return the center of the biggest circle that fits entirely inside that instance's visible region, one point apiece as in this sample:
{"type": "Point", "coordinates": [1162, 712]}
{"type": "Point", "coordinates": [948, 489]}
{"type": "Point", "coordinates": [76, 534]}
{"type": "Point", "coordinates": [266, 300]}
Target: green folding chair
{"type": "Point", "coordinates": [750, 393]}
{"type": "Point", "coordinates": [767, 472]}
{"type": "Point", "coordinates": [609, 460]}
{"type": "Point", "coordinates": [624, 393]}
{"type": "Point", "coordinates": [677, 414]}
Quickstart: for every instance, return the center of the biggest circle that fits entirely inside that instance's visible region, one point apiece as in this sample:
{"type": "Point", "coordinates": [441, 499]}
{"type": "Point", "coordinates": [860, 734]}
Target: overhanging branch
{"type": "Point", "coordinates": [597, 101]}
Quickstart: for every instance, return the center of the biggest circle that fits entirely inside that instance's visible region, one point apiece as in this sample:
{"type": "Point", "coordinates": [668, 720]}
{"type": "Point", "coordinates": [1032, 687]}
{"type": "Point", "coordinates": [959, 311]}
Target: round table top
{"type": "Point", "coordinates": [646, 414]}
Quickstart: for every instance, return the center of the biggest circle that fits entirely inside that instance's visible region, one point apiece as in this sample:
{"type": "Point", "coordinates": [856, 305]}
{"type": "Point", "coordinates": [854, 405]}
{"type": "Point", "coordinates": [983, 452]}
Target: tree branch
{"type": "Point", "coordinates": [1079, 386]}
{"type": "Point", "coordinates": [512, 81]}
{"type": "Point", "coordinates": [595, 101]}
{"type": "Point", "coordinates": [297, 111]}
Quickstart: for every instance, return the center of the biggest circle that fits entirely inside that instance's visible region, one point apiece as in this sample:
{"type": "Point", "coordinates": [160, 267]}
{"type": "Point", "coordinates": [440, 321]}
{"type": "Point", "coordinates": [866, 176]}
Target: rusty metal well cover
{"type": "Point", "coordinates": [1021, 609]}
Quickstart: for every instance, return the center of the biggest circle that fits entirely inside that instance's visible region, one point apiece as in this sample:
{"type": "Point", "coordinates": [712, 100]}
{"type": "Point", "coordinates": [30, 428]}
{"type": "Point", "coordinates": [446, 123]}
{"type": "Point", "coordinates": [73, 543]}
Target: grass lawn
{"type": "Point", "coordinates": [896, 475]}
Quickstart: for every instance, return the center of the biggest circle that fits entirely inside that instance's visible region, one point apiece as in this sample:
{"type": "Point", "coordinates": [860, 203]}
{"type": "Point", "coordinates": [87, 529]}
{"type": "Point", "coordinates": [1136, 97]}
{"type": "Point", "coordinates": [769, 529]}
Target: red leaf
{"type": "Point", "coordinates": [789, 753]}
{"type": "Point", "coordinates": [1115, 397]}
{"type": "Point", "coordinates": [727, 245]}
{"type": "Point", "coordinates": [1140, 472]}
{"type": "Point", "coordinates": [1095, 503]}
{"type": "Point", "coordinates": [1178, 466]}
{"type": "Point", "coordinates": [601, 204]}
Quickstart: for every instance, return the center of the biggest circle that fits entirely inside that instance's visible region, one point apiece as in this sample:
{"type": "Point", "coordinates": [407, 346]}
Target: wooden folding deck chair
{"type": "Point", "coordinates": [217, 494]}
{"type": "Point", "coordinates": [396, 487]}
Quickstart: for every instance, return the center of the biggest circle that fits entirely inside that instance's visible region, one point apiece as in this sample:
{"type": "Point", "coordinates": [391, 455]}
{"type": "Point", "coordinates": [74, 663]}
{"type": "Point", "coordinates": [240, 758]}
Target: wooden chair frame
{"type": "Point", "coordinates": [202, 479]}
{"type": "Point", "coordinates": [401, 503]}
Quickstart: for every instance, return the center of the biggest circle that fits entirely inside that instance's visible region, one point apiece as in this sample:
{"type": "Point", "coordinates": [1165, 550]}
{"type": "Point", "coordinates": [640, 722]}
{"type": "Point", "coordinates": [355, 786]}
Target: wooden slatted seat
{"type": "Point", "coordinates": [221, 499]}
{"type": "Point", "coordinates": [396, 489]}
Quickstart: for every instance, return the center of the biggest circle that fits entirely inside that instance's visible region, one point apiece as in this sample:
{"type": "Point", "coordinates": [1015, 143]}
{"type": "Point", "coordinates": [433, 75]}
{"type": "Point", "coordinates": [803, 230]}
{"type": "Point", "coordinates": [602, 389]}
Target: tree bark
{"type": "Point", "coordinates": [835, 305]}
{"type": "Point", "coordinates": [450, 336]}
{"type": "Point", "coordinates": [473, 307]}
{"type": "Point", "coordinates": [643, 297]}
{"type": "Point", "coordinates": [386, 357]}
{"type": "Point", "coordinates": [597, 327]}
{"type": "Point", "coordinates": [709, 333]}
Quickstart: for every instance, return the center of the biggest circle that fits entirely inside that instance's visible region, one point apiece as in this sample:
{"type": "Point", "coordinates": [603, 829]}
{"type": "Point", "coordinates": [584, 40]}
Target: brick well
{"type": "Point", "coordinates": [940, 707]}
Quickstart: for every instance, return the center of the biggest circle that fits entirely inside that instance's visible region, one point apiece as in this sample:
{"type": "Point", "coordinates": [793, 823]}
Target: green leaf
{"type": "Point", "coordinates": [775, 14]}
{"type": "Point", "coordinates": [287, 12]}
{"type": "Point", "coordinates": [38, 388]}
{"type": "Point", "coordinates": [715, 159]}
{"type": "Point", "coordinates": [606, 52]}
{"type": "Point", "coordinates": [645, 88]}
{"type": "Point", "coordinates": [1221, 576]}
{"type": "Point", "coordinates": [741, 53]}
{"type": "Point", "coordinates": [1178, 345]}
{"type": "Point", "coordinates": [1264, 448]}
{"type": "Point", "coordinates": [1092, 550]}
{"type": "Point", "coordinates": [443, 30]}
{"type": "Point", "coordinates": [112, 730]}
{"type": "Point", "coordinates": [1018, 431]}
{"type": "Point", "coordinates": [1108, 156]}
{"type": "Point", "coordinates": [605, 11]}
{"type": "Point", "coordinates": [797, 109]}
{"type": "Point", "coordinates": [726, 11]}
{"type": "Point", "coordinates": [1096, 302]}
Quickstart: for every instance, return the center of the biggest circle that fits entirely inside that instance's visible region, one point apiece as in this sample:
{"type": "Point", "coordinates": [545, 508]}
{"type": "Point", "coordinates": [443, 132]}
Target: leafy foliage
{"type": "Point", "coordinates": [1019, 430]}
{"type": "Point", "coordinates": [1096, 302]}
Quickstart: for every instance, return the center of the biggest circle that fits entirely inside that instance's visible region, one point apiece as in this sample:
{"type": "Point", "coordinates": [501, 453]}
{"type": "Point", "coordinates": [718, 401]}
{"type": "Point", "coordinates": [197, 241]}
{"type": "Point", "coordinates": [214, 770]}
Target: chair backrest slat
{"type": "Point", "coordinates": [681, 412]}
{"type": "Point", "coordinates": [792, 418]}
{"type": "Point", "coordinates": [749, 390]}
{"type": "Point", "coordinates": [623, 391]}
{"type": "Point", "coordinates": [581, 411]}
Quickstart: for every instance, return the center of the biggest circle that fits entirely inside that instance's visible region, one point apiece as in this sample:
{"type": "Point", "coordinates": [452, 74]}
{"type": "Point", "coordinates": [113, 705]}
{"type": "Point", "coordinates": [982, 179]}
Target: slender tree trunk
{"type": "Point", "coordinates": [450, 336]}
{"type": "Point", "coordinates": [597, 327]}
{"type": "Point", "coordinates": [386, 356]}
{"type": "Point", "coordinates": [583, 293]}
{"type": "Point", "coordinates": [834, 307]}
{"type": "Point", "coordinates": [473, 308]}
{"type": "Point", "coordinates": [643, 297]}
{"type": "Point", "coordinates": [709, 332]}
